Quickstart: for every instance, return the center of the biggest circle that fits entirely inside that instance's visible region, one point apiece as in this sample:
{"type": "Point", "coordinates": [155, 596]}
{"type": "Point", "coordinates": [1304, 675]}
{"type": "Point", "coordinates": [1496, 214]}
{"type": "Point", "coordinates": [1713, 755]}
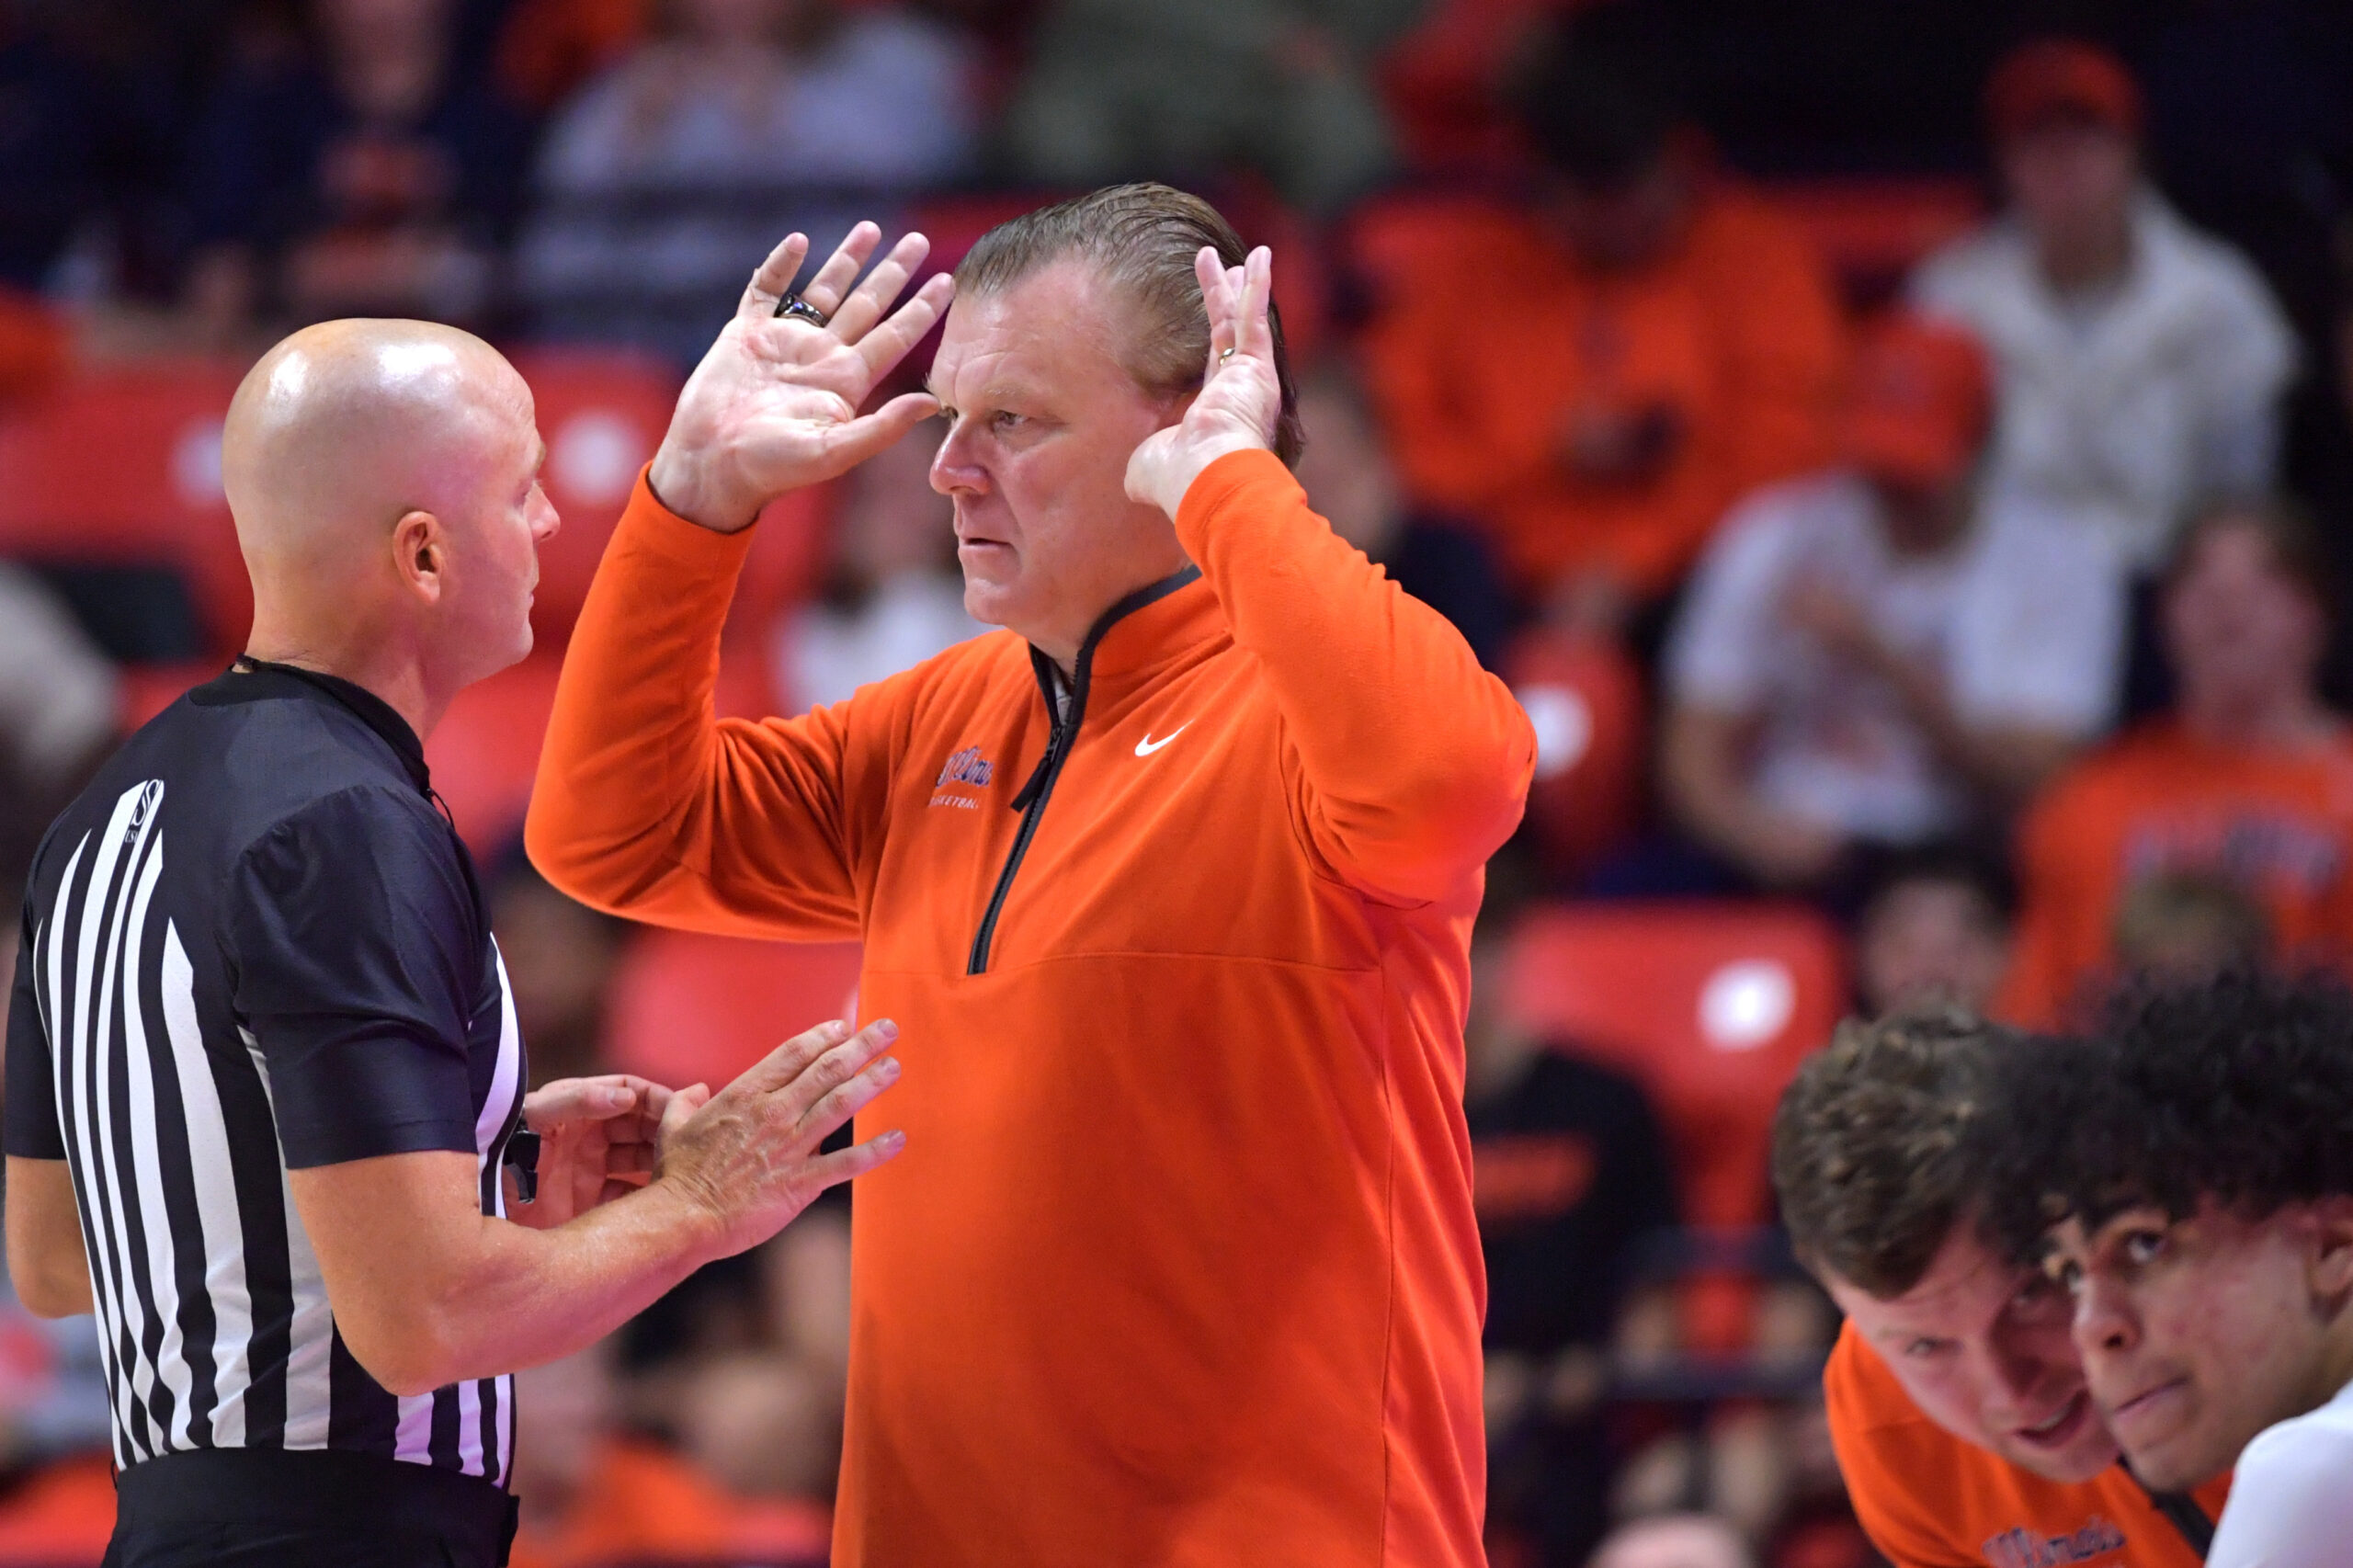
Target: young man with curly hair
{"type": "Point", "coordinates": [2190, 1176]}
{"type": "Point", "coordinates": [1955, 1398]}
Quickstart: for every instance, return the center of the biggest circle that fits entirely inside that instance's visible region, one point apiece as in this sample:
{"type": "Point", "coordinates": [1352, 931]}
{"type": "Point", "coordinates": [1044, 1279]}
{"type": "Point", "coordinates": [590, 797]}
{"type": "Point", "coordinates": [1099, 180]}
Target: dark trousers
{"type": "Point", "coordinates": [266, 1508]}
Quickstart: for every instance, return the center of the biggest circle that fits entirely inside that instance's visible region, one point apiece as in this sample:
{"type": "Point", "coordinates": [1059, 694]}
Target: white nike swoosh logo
{"type": "Point", "coordinates": [1147, 746]}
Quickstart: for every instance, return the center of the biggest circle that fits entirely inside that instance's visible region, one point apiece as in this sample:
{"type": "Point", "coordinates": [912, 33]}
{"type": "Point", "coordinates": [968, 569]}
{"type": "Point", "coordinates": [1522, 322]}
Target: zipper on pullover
{"type": "Point", "coordinates": [1032, 800]}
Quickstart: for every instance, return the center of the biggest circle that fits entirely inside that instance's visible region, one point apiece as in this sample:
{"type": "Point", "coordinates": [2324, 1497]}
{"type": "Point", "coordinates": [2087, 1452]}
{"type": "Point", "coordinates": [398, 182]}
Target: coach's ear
{"type": "Point", "coordinates": [2331, 1219]}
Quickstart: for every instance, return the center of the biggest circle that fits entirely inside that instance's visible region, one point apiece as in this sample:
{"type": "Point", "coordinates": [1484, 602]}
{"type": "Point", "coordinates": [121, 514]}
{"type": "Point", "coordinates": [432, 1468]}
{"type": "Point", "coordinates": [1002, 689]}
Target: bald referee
{"type": "Point", "coordinates": [263, 1070]}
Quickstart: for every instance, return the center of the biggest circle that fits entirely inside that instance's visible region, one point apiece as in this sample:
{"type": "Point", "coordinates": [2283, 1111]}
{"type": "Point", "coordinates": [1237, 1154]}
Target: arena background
{"type": "Point", "coordinates": [1700, 211]}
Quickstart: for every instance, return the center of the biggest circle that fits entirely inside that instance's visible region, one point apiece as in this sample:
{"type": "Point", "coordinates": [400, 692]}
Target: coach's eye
{"type": "Point", "coordinates": [1005, 421]}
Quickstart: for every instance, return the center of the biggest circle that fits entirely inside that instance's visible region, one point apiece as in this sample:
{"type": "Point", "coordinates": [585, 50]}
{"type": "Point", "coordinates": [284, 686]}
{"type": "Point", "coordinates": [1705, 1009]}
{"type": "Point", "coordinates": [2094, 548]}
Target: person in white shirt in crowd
{"type": "Point", "coordinates": [2199, 1153]}
{"type": "Point", "coordinates": [1880, 654]}
{"type": "Point", "coordinates": [893, 596]}
{"type": "Point", "coordinates": [743, 118]}
{"type": "Point", "coordinates": [2142, 363]}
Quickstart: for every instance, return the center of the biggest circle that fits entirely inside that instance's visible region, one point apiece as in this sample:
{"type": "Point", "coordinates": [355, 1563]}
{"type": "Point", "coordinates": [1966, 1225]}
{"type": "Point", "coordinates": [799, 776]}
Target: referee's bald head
{"type": "Point", "coordinates": [383, 477]}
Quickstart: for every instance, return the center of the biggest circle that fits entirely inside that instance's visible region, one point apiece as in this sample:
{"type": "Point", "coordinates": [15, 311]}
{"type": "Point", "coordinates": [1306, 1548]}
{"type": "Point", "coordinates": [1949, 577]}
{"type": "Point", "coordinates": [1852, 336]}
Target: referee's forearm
{"type": "Point", "coordinates": [426, 1297]}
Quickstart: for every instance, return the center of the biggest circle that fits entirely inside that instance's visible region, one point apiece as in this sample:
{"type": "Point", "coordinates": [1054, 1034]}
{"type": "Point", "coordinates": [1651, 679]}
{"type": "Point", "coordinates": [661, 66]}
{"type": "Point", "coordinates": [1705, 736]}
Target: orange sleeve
{"type": "Point", "coordinates": [1871, 1430]}
{"type": "Point", "coordinates": [648, 805]}
{"type": "Point", "coordinates": [1414, 761]}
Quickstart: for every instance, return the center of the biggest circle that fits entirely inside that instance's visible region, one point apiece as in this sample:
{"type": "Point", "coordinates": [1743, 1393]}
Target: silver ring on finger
{"type": "Point", "coordinates": [1223, 355]}
{"type": "Point", "coordinates": [800, 308]}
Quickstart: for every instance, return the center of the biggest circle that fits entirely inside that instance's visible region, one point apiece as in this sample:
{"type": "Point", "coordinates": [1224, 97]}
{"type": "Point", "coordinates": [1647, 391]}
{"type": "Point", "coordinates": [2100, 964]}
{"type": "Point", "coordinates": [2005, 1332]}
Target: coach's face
{"type": "Point", "coordinates": [1980, 1346]}
{"type": "Point", "coordinates": [2199, 1332]}
{"type": "Point", "coordinates": [1043, 415]}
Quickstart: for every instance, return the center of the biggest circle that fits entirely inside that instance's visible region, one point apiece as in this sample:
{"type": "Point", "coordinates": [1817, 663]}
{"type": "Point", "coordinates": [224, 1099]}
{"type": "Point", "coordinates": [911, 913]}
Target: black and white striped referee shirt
{"type": "Point", "coordinates": [255, 944]}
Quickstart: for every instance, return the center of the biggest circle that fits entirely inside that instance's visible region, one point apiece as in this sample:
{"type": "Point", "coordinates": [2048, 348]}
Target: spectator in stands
{"type": "Point", "coordinates": [366, 176]}
{"type": "Point", "coordinates": [546, 47]}
{"type": "Point", "coordinates": [559, 959]}
{"type": "Point", "coordinates": [740, 120]}
{"type": "Point", "coordinates": [58, 717]}
{"type": "Point", "coordinates": [1188, 90]}
{"type": "Point", "coordinates": [893, 595]}
{"type": "Point", "coordinates": [1601, 382]}
{"type": "Point", "coordinates": [2142, 363]}
{"type": "Point", "coordinates": [48, 143]}
{"type": "Point", "coordinates": [1351, 478]}
{"type": "Point", "coordinates": [1675, 1541]}
{"type": "Point", "coordinates": [1882, 654]}
{"type": "Point", "coordinates": [763, 1416]}
{"type": "Point", "coordinates": [593, 1496]}
{"type": "Point", "coordinates": [1571, 1174]}
{"type": "Point", "coordinates": [1934, 934]}
{"type": "Point", "coordinates": [2189, 926]}
{"type": "Point", "coordinates": [2250, 777]}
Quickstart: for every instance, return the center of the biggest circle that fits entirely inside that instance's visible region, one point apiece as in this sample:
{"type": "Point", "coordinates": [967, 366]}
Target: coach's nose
{"type": "Point", "coordinates": [957, 469]}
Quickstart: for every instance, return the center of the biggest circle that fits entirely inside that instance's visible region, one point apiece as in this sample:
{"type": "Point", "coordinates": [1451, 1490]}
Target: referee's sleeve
{"type": "Point", "coordinates": [355, 951]}
{"type": "Point", "coordinates": [32, 1133]}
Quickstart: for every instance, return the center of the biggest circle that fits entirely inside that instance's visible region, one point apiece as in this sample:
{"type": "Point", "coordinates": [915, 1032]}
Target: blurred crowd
{"type": "Point", "coordinates": [1899, 455]}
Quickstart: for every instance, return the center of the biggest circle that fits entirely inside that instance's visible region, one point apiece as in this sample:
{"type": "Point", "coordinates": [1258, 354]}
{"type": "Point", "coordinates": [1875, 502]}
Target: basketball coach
{"type": "Point", "coordinates": [263, 1070]}
{"type": "Point", "coordinates": [1169, 882]}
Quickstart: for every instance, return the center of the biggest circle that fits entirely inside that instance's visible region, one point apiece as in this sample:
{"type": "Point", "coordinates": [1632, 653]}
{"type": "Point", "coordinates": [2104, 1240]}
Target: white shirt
{"type": "Point", "coordinates": [2291, 1496]}
{"type": "Point", "coordinates": [2132, 402]}
{"type": "Point", "coordinates": [821, 654]}
{"type": "Point", "coordinates": [2023, 616]}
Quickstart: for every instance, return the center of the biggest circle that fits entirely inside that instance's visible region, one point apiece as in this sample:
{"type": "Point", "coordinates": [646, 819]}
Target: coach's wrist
{"type": "Point", "coordinates": [687, 486]}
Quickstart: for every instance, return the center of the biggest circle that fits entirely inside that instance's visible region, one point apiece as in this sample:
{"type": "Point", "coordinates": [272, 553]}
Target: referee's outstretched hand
{"type": "Point", "coordinates": [748, 1153]}
{"type": "Point", "coordinates": [773, 406]}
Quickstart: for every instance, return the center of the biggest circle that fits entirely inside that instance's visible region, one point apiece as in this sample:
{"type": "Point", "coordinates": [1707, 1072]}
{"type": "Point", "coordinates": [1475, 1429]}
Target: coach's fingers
{"type": "Point", "coordinates": [772, 277]}
{"type": "Point", "coordinates": [869, 300]}
{"type": "Point", "coordinates": [1253, 334]}
{"type": "Point", "coordinates": [887, 344]}
{"type": "Point", "coordinates": [845, 1165]}
{"type": "Point", "coordinates": [831, 286]}
{"type": "Point", "coordinates": [847, 445]}
{"type": "Point", "coordinates": [839, 1104]}
{"type": "Point", "coordinates": [1214, 300]}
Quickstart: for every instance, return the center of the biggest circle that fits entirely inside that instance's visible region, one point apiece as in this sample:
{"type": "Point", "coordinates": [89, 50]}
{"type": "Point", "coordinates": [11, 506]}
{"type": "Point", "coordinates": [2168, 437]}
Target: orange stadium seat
{"type": "Point", "coordinates": [1712, 1007]}
{"type": "Point", "coordinates": [602, 415]}
{"type": "Point", "coordinates": [122, 466]}
{"type": "Point", "coordinates": [693, 1009]}
{"type": "Point", "coordinates": [1873, 231]}
{"type": "Point", "coordinates": [1585, 698]}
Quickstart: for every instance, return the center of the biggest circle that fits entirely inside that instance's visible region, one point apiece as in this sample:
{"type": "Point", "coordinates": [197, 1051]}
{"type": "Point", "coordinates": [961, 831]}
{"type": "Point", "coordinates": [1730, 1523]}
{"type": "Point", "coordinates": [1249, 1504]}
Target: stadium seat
{"type": "Point", "coordinates": [486, 751]}
{"type": "Point", "coordinates": [1585, 698]}
{"type": "Point", "coordinates": [1873, 232]}
{"type": "Point", "coordinates": [602, 414]}
{"type": "Point", "coordinates": [1395, 247]}
{"type": "Point", "coordinates": [692, 1008]}
{"type": "Point", "coordinates": [122, 466]}
{"type": "Point", "coordinates": [1711, 1005]}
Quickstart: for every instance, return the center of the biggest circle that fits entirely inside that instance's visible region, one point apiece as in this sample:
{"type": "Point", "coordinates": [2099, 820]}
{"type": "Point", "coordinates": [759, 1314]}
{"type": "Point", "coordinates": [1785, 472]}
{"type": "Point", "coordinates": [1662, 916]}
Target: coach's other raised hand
{"type": "Point", "coordinates": [1241, 396]}
{"type": "Point", "coordinates": [773, 407]}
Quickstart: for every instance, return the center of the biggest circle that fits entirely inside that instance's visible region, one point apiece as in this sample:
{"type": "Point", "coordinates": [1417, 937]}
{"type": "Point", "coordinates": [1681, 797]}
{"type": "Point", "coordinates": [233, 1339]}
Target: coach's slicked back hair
{"type": "Point", "coordinates": [2238, 1089]}
{"type": "Point", "coordinates": [1877, 1146]}
{"type": "Point", "coordinates": [1142, 238]}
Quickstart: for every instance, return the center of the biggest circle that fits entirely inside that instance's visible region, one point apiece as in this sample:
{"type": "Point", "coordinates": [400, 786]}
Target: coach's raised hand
{"type": "Point", "coordinates": [1241, 396]}
{"type": "Point", "coordinates": [773, 406]}
{"type": "Point", "coordinates": [746, 1158]}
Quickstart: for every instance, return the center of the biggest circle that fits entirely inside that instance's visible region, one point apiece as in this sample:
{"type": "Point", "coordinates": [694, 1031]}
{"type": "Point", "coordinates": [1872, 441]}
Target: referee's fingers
{"type": "Point", "coordinates": [788, 1061]}
{"type": "Point", "coordinates": [840, 1104]}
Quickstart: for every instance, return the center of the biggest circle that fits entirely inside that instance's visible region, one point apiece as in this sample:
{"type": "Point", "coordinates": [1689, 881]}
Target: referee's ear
{"type": "Point", "coordinates": [420, 547]}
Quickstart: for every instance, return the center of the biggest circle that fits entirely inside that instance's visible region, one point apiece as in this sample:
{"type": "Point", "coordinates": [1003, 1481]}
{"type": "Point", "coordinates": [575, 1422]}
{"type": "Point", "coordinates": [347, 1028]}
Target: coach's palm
{"type": "Point", "coordinates": [773, 407]}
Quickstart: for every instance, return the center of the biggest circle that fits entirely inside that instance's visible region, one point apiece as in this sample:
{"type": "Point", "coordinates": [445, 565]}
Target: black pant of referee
{"type": "Point", "coordinates": [241, 1508]}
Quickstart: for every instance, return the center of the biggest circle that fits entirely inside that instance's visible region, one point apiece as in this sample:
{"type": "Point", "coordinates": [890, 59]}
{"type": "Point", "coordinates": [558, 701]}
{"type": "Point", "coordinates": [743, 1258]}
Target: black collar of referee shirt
{"type": "Point", "coordinates": [373, 710]}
